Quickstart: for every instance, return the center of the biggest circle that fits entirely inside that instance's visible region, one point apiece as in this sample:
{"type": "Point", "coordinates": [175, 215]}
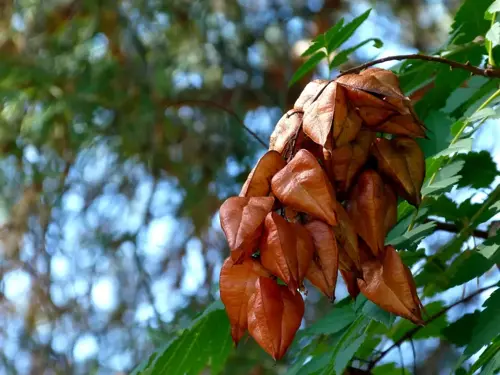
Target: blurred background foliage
{"type": "Point", "coordinates": [121, 132]}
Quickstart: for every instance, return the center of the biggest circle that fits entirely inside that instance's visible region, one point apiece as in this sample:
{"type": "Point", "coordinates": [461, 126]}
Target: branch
{"type": "Point", "coordinates": [412, 332]}
{"type": "Point", "coordinates": [452, 228]}
{"type": "Point", "coordinates": [208, 103]}
{"type": "Point", "coordinates": [488, 72]}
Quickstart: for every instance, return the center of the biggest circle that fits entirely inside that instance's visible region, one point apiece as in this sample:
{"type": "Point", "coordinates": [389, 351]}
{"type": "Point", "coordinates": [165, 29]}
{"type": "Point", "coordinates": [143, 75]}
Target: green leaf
{"type": "Point", "coordinates": [463, 145]}
{"type": "Point", "coordinates": [439, 135]}
{"type": "Point", "coordinates": [469, 21]}
{"type": "Point", "coordinates": [307, 66]}
{"type": "Point", "coordinates": [389, 369]}
{"type": "Point", "coordinates": [493, 34]}
{"type": "Point", "coordinates": [488, 326]}
{"type": "Point", "coordinates": [374, 312]}
{"type": "Point", "coordinates": [433, 329]}
{"type": "Point", "coordinates": [445, 179]}
{"type": "Point", "coordinates": [413, 237]}
{"type": "Point", "coordinates": [494, 8]}
{"type": "Point", "coordinates": [314, 47]}
{"type": "Point", "coordinates": [207, 343]}
{"type": "Point", "coordinates": [467, 266]}
{"type": "Point", "coordinates": [447, 81]}
{"type": "Point", "coordinates": [473, 176]}
{"type": "Point", "coordinates": [412, 257]}
{"type": "Point", "coordinates": [492, 366]}
{"type": "Point", "coordinates": [348, 345]}
{"type": "Point", "coordinates": [482, 114]}
{"type": "Point", "coordinates": [332, 33]}
{"type": "Point", "coordinates": [345, 33]}
{"type": "Point", "coordinates": [335, 321]}
{"type": "Point", "coordinates": [460, 331]}
{"type": "Point", "coordinates": [343, 56]}
{"type": "Point", "coordinates": [490, 353]}
{"type": "Point", "coordinates": [489, 248]}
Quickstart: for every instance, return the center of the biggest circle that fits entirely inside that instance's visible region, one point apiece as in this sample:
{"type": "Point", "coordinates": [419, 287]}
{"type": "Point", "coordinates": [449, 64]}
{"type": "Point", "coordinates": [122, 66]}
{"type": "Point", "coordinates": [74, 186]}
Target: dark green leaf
{"type": "Point", "coordinates": [479, 170]}
{"type": "Point", "coordinates": [489, 248]}
{"type": "Point", "coordinates": [374, 312]}
{"type": "Point", "coordinates": [335, 321]}
{"type": "Point", "coordinates": [439, 135]}
{"type": "Point", "coordinates": [343, 56]}
{"type": "Point", "coordinates": [389, 369]}
{"type": "Point", "coordinates": [307, 66]}
{"type": "Point", "coordinates": [489, 354]}
{"type": "Point", "coordinates": [206, 343]}
{"type": "Point", "coordinates": [488, 325]}
{"type": "Point", "coordinates": [469, 21]}
{"type": "Point", "coordinates": [345, 33]}
{"type": "Point", "coordinates": [460, 331]}
{"type": "Point", "coordinates": [447, 81]}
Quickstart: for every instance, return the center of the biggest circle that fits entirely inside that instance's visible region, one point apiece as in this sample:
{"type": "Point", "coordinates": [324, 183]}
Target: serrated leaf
{"type": "Point", "coordinates": [493, 34]}
{"type": "Point", "coordinates": [445, 179]}
{"type": "Point", "coordinates": [314, 47]}
{"type": "Point", "coordinates": [492, 366]}
{"type": "Point", "coordinates": [469, 21]}
{"type": "Point", "coordinates": [309, 65]}
{"type": "Point", "coordinates": [374, 312]}
{"type": "Point", "coordinates": [343, 56]}
{"type": "Point", "coordinates": [491, 352]}
{"type": "Point", "coordinates": [439, 135]}
{"type": "Point", "coordinates": [460, 331]}
{"type": "Point", "coordinates": [335, 321]}
{"type": "Point", "coordinates": [463, 145]}
{"type": "Point", "coordinates": [479, 170]}
{"type": "Point", "coordinates": [482, 114]}
{"type": "Point", "coordinates": [489, 248]}
{"type": "Point", "coordinates": [345, 33]}
{"type": "Point", "coordinates": [432, 329]}
{"type": "Point", "coordinates": [487, 326]}
{"type": "Point", "coordinates": [413, 236]}
{"type": "Point", "coordinates": [495, 7]}
{"type": "Point", "coordinates": [206, 343]}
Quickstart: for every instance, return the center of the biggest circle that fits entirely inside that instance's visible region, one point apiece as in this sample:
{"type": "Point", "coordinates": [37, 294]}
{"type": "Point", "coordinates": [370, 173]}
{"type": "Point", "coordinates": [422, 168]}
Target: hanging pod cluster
{"type": "Point", "coordinates": [320, 201]}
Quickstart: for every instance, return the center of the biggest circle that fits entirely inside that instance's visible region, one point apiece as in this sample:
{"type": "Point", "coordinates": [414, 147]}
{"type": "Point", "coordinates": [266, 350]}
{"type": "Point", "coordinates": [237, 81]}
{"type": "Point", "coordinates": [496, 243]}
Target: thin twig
{"type": "Point", "coordinates": [208, 103]}
{"type": "Point", "coordinates": [452, 228]}
{"type": "Point", "coordinates": [401, 359]}
{"type": "Point", "coordinates": [488, 72]}
{"type": "Point", "coordinates": [414, 356]}
{"type": "Point", "coordinates": [412, 332]}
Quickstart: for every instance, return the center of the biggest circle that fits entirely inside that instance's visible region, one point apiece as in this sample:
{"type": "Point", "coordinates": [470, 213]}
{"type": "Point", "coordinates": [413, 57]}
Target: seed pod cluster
{"type": "Point", "coordinates": [320, 201]}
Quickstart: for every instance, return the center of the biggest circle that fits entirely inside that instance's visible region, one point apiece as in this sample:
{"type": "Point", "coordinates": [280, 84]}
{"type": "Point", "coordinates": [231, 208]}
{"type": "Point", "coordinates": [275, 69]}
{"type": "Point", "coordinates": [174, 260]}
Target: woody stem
{"type": "Point", "coordinates": [415, 330]}
{"type": "Point", "coordinates": [488, 72]}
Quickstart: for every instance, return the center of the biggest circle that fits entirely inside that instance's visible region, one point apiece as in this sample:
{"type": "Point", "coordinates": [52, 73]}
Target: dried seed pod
{"type": "Point", "coordinates": [323, 269]}
{"type": "Point", "coordinates": [274, 316]}
{"type": "Point", "coordinates": [347, 160]}
{"type": "Point", "coordinates": [347, 240]}
{"type": "Point", "coordinates": [366, 208]}
{"type": "Point", "coordinates": [237, 284]}
{"type": "Point", "coordinates": [402, 161]}
{"type": "Point", "coordinates": [258, 183]}
{"type": "Point", "coordinates": [278, 250]}
{"type": "Point", "coordinates": [242, 220]}
{"type": "Point", "coordinates": [304, 186]}
{"type": "Point", "coordinates": [285, 131]}
{"type": "Point", "coordinates": [389, 284]}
